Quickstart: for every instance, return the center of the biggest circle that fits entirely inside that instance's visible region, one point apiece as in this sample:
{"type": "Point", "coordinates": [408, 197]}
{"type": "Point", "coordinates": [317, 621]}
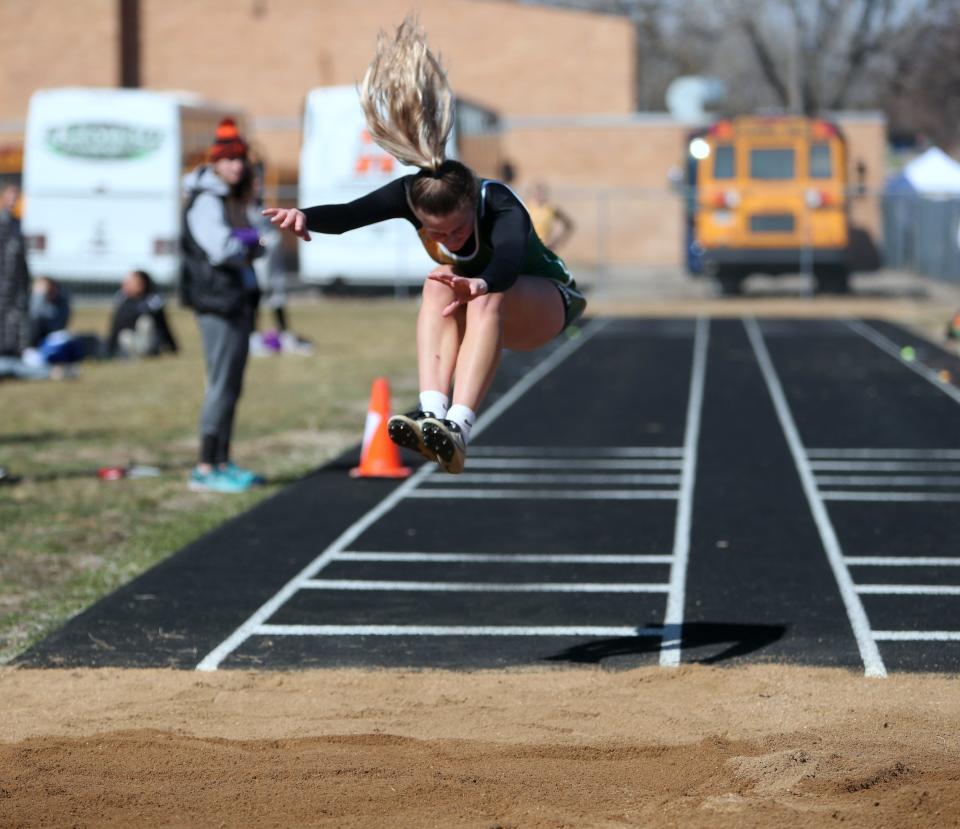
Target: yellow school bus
{"type": "Point", "coordinates": [768, 194]}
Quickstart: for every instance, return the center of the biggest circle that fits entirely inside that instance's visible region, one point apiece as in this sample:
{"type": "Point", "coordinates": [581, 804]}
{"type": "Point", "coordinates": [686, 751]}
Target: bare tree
{"type": "Point", "coordinates": [798, 55]}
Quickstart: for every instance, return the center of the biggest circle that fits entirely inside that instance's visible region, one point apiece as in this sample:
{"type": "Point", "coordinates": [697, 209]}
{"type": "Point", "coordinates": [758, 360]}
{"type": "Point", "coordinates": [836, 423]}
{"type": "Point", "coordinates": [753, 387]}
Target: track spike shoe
{"type": "Point", "coordinates": [445, 440]}
{"type": "Point", "coordinates": [406, 430]}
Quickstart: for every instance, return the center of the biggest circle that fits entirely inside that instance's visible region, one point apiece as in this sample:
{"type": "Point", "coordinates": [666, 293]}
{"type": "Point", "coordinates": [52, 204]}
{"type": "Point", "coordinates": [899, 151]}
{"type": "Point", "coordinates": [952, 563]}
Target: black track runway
{"type": "Point", "coordinates": [649, 492]}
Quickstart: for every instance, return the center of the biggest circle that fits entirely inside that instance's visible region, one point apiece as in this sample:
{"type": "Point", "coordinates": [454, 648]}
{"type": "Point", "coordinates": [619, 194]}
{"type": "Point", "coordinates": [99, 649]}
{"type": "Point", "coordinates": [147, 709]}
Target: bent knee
{"type": "Point", "coordinates": [434, 291]}
{"type": "Point", "coordinates": [488, 305]}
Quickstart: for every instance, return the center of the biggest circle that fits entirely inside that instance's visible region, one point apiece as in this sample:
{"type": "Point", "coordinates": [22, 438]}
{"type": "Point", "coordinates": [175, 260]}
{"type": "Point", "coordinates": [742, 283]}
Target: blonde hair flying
{"type": "Point", "coordinates": [406, 98]}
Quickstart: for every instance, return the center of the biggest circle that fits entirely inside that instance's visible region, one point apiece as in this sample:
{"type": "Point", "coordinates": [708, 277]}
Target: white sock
{"type": "Point", "coordinates": [435, 402]}
{"type": "Point", "coordinates": [464, 417]}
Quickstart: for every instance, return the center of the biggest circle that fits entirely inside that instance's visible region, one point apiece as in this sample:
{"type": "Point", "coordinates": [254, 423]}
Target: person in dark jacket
{"type": "Point", "coordinates": [495, 284]}
{"type": "Point", "coordinates": [219, 283]}
{"type": "Point", "coordinates": [139, 325]}
{"type": "Point", "coordinates": [14, 279]}
{"type": "Point", "coordinates": [50, 309]}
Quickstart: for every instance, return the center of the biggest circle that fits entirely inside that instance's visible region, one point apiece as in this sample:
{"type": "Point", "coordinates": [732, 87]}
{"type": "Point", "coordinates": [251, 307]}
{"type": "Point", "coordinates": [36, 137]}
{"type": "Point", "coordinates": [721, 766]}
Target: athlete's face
{"type": "Point", "coordinates": [452, 230]}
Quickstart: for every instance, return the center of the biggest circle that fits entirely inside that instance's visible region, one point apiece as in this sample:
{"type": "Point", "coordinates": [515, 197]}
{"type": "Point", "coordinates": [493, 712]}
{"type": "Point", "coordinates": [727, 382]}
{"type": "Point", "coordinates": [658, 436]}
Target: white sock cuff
{"type": "Point", "coordinates": [464, 417]}
{"type": "Point", "coordinates": [435, 402]}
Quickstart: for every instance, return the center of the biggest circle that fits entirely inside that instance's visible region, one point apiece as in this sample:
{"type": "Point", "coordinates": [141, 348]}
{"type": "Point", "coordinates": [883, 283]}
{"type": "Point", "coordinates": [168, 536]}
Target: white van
{"type": "Point", "coordinates": [340, 162]}
{"type": "Point", "coordinates": [102, 179]}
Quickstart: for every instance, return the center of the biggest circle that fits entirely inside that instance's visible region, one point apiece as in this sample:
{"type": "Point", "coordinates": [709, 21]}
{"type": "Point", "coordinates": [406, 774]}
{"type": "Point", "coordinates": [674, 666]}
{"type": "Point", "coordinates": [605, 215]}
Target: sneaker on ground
{"type": "Point", "coordinates": [406, 430]}
{"type": "Point", "coordinates": [445, 440]}
{"type": "Point", "coordinates": [215, 481]}
{"type": "Point", "coordinates": [258, 347]}
{"type": "Point", "coordinates": [293, 344]}
{"type": "Point", "coordinates": [241, 474]}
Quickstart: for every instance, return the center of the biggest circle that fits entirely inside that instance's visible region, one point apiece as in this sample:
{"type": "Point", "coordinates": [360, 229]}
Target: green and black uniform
{"type": "Point", "coordinates": [502, 247]}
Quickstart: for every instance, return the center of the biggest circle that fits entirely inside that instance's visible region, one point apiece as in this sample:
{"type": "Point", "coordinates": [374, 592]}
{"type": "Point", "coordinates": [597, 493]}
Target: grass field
{"type": "Point", "coordinates": [67, 537]}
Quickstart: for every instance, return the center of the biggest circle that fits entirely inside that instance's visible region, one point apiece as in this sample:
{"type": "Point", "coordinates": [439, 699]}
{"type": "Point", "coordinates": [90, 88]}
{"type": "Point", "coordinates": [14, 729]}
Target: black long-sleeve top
{"type": "Point", "coordinates": [127, 310]}
{"type": "Point", "coordinates": [494, 252]}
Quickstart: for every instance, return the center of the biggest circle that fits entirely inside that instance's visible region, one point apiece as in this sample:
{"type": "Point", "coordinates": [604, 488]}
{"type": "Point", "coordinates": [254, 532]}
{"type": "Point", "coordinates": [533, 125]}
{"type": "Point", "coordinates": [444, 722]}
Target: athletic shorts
{"type": "Point", "coordinates": [543, 262]}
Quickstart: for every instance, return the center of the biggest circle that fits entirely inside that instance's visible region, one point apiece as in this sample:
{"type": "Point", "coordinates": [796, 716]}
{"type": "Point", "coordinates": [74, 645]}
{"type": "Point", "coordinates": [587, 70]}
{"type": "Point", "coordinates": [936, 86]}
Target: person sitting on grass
{"type": "Point", "coordinates": [139, 325]}
{"type": "Point", "coordinates": [495, 285]}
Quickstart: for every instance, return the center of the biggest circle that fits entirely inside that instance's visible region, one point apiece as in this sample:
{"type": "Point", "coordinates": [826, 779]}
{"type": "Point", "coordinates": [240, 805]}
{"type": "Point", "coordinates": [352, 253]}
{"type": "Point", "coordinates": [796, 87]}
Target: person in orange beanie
{"type": "Point", "coordinates": [220, 243]}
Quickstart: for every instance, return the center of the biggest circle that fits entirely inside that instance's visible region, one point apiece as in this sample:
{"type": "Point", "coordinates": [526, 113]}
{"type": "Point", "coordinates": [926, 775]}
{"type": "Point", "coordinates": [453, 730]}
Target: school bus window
{"type": "Point", "coordinates": [820, 166]}
{"type": "Point", "coordinates": [771, 164]}
{"type": "Point", "coordinates": [723, 165]}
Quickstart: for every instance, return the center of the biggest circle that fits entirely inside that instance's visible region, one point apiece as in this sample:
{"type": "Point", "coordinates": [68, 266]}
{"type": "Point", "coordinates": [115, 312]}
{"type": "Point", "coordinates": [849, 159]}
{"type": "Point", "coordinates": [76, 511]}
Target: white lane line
{"type": "Point", "coordinates": [902, 561]}
{"type": "Point", "coordinates": [886, 344]}
{"type": "Point", "coordinates": [482, 587]}
{"type": "Point", "coordinates": [444, 493]}
{"type": "Point", "coordinates": [673, 615]}
{"type": "Point", "coordinates": [571, 464]}
{"type": "Point", "coordinates": [917, 635]}
{"type": "Point", "coordinates": [888, 480]}
{"type": "Point", "coordinates": [902, 497]}
{"type": "Point", "coordinates": [591, 631]}
{"type": "Point", "coordinates": [533, 478]}
{"type": "Point", "coordinates": [507, 558]}
{"type": "Point", "coordinates": [576, 451]}
{"type": "Point", "coordinates": [909, 589]}
{"type": "Point", "coordinates": [213, 659]}
{"type": "Point", "coordinates": [885, 466]}
{"type": "Point", "coordinates": [879, 454]}
{"type": "Point", "coordinates": [869, 653]}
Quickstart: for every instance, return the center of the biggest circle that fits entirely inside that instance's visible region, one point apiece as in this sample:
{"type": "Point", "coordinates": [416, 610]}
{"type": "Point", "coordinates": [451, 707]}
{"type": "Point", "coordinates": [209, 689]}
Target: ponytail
{"type": "Point", "coordinates": [408, 105]}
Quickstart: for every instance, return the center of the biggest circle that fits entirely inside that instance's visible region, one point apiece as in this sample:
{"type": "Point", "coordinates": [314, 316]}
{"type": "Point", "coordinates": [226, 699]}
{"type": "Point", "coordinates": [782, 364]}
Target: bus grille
{"type": "Point", "coordinates": [772, 223]}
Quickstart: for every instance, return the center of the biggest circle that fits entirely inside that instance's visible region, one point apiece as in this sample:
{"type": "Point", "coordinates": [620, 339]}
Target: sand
{"type": "Point", "coordinates": [692, 747]}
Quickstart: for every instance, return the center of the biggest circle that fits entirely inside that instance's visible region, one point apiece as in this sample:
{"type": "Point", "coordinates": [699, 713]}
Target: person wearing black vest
{"type": "Point", "coordinates": [219, 283]}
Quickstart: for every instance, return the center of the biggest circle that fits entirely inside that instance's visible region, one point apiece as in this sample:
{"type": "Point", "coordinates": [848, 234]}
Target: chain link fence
{"type": "Point", "coordinates": [921, 234]}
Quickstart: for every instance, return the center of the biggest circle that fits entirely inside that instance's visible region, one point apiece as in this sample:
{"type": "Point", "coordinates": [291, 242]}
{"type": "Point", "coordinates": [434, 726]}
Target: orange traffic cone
{"type": "Point", "coordinates": [379, 457]}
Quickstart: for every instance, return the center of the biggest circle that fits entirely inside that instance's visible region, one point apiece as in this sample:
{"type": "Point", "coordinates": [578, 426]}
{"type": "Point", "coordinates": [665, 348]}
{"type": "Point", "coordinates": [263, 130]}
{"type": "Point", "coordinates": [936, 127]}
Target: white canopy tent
{"type": "Point", "coordinates": [933, 172]}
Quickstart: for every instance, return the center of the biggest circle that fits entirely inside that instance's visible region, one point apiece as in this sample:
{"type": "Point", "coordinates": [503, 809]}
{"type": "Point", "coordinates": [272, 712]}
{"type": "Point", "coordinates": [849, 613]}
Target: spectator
{"type": "Point", "coordinates": [219, 283]}
{"type": "Point", "coordinates": [553, 225]}
{"type": "Point", "coordinates": [14, 279]}
{"type": "Point", "coordinates": [49, 309]}
{"type": "Point", "coordinates": [139, 327]}
{"type": "Point", "coordinates": [272, 280]}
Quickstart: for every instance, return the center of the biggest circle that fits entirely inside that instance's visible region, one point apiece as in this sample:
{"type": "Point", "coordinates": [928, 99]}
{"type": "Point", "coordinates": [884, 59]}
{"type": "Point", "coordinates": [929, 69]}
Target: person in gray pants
{"type": "Point", "coordinates": [219, 283]}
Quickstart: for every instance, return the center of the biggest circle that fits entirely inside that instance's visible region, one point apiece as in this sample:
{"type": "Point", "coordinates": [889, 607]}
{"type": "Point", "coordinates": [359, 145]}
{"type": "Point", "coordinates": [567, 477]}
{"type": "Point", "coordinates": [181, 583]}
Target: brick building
{"type": "Point", "coordinates": [561, 80]}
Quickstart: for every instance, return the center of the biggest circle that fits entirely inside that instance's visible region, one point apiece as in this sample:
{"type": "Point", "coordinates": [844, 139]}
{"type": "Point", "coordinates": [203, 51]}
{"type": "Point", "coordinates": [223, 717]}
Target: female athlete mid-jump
{"type": "Point", "coordinates": [495, 285]}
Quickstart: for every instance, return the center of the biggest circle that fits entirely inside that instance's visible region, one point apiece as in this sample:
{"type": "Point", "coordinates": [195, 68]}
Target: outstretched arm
{"type": "Point", "coordinates": [388, 202]}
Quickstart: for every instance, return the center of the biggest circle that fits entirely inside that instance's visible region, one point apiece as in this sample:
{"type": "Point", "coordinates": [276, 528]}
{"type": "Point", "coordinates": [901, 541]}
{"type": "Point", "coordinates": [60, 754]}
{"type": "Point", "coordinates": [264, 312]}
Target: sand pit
{"type": "Point", "coordinates": [694, 747]}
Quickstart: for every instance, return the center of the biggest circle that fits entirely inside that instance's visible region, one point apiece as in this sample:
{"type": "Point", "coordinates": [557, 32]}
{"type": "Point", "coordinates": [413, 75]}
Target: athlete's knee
{"type": "Point", "coordinates": [488, 306]}
{"type": "Point", "coordinates": [436, 292]}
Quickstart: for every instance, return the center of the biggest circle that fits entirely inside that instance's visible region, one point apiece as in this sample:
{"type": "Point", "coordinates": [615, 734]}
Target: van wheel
{"type": "Point", "coordinates": [832, 279]}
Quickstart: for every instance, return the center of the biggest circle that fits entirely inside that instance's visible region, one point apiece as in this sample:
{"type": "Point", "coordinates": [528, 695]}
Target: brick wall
{"type": "Point", "coordinates": [54, 43]}
{"type": "Point", "coordinates": [546, 71]}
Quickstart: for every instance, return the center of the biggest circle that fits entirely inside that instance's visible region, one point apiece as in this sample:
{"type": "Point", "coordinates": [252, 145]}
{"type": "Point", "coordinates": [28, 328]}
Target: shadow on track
{"type": "Point", "coordinates": [741, 640]}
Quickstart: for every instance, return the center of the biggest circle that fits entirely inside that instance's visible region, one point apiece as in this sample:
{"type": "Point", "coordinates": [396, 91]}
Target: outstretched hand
{"type": "Point", "coordinates": [289, 218]}
{"type": "Point", "coordinates": [465, 288]}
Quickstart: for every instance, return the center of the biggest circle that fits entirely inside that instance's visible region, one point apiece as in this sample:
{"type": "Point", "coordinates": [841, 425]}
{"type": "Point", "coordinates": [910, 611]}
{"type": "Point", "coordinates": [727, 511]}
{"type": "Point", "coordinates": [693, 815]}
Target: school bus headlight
{"type": "Point", "coordinates": [819, 198]}
{"type": "Point", "coordinates": [728, 199]}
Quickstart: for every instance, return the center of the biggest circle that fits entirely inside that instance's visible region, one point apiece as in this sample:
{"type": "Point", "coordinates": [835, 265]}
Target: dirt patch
{"type": "Point", "coordinates": [694, 747]}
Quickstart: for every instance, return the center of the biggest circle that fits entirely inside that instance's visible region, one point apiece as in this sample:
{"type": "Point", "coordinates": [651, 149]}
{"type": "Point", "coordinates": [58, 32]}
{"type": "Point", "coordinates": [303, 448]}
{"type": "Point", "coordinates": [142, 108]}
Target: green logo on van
{"type": "Point", "coordinates": [106, 142]}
